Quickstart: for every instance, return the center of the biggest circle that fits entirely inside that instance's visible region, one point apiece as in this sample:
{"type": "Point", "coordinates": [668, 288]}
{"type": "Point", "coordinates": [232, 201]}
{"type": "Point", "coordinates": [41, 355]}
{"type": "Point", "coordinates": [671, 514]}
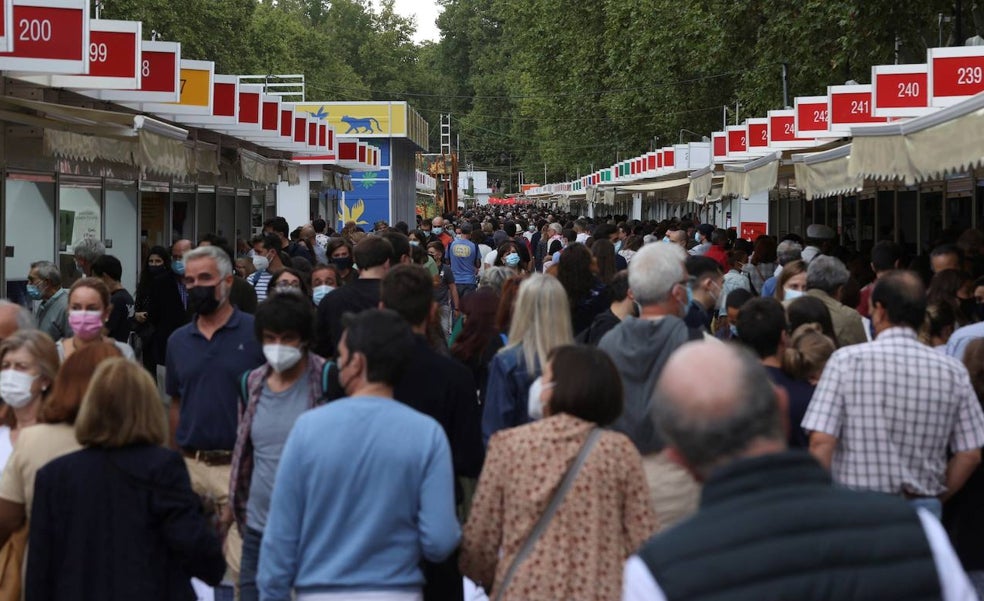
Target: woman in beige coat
{"type": "Point", "coordinates": [605, 516]}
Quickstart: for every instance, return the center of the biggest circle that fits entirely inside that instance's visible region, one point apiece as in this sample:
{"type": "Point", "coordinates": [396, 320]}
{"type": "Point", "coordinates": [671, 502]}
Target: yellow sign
{"type": "Point", "coordinates": [370, 119]}
{"type": "Point", "coordinates": [196, 87]}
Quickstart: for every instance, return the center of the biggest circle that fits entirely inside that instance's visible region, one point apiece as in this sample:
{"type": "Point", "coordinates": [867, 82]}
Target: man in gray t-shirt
{"type": "Point", "coordinates": [277, 393]}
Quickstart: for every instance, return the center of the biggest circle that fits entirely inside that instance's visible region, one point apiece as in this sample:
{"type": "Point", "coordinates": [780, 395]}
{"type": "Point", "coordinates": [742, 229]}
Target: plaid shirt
{"type": "Point", "coordinates": [895, 405]}
{"type": "Point", "coordinates": [242, 455]}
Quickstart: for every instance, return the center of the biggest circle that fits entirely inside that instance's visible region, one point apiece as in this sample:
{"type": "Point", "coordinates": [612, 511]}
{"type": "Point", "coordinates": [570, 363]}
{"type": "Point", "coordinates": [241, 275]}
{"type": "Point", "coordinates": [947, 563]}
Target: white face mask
{"type": "Point", "coordinates": [535, 404]}
{"type": "Point", "coordinates": [15, 387]}
{"type": "Point", "coordinates": [790, 294]}
{"type": "Point", "coordinates": [260, 262]}
{"type": "Point", "coordinates": [281, 357]}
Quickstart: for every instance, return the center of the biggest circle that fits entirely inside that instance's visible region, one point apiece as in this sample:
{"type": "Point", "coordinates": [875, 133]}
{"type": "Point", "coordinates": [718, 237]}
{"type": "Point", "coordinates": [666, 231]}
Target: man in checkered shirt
{"type": "Point", "coordinates": [885, 413]}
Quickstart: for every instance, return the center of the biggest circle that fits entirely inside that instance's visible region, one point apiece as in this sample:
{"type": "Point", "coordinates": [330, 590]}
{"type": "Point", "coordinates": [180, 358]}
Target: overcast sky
{"type": "Point", "coordinates": [426, 12]}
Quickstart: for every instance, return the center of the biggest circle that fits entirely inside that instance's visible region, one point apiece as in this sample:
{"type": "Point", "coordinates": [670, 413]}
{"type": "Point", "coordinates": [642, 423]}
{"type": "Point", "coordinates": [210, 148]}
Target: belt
{"type": "Point", "coordinates": [209, 457]}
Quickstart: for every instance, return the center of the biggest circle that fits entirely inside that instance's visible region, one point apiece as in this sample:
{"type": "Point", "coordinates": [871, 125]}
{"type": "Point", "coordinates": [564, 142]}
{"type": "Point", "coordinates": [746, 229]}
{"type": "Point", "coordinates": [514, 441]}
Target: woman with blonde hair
{"type": "Point", "coordinates": [539, 325]}
{"type": "Point", "coordinates": [28, 366]}
{"type": "Point", "coordinates": [53, 438]}
{"type": "Point", "coordinates": [118, 519]}
{"type": "Point", "coordinates": [807, 353]}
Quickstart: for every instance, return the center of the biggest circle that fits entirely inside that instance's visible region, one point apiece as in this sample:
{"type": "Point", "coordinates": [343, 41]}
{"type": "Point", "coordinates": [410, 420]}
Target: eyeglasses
{"type": "Point", "coordinates": [283, 284]}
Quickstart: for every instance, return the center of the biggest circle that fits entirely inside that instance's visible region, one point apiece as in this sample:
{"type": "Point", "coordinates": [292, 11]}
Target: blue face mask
{"type": "Point", "coordinates": [437, 231]}
{"type": "Point", "coordinates": [512, 259]}
{"type": "Point", "coordinates": [178, 267]}
{"type": "Point", "coordinates": [697, 237]}
{"type": "Point", "coordinates": [690, 295]}
{"type": "Point", "coordinates": [320, 292]}
{"type": "Point", "coordinates": [414, 243]}
{"type": "Point", "coordinates": [34, 292]}
{"type": "Point", "coordinates": [618, 246]}
{"type": "Point", "coordinates": [734, 330]}
{"type": "Point", "coordinates": [666, 239]}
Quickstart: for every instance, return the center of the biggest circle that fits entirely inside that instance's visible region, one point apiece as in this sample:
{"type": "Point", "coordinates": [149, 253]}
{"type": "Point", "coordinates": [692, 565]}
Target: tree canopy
{"type": "Point", "coordinates": [563, 84]}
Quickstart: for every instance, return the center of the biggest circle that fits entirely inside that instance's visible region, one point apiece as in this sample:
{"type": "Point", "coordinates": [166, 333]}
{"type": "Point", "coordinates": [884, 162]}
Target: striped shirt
{"type": "Point", "coordinates": [260, 282]}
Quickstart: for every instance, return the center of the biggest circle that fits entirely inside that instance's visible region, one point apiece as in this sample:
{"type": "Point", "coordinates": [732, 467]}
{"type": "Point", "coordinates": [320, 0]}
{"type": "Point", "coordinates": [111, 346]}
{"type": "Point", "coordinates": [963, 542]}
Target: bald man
{"type": "Point", "coordinates": [771, 525]}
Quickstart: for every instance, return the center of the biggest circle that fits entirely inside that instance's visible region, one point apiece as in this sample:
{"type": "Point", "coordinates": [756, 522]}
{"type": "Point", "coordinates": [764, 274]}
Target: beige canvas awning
{"type": "Point", "coordinates": [700, 184]}
{"type": "Point", "coordinates": [750, 178]}
{"type": "Point", "coordinates": [928, 147]}
{"type": "Point", "coordinates": [669, 184]}
{"type": "Point", "coordinates": [90, 134]}
{"type": "Point", "coordinates": [825, 174]}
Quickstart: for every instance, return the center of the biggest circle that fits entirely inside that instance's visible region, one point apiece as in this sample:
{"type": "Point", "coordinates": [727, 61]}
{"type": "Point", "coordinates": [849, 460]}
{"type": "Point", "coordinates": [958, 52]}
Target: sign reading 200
{"type": "Point", "coordinates": [34, 30]}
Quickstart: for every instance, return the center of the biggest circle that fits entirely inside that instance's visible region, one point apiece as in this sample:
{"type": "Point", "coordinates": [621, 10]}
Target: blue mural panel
{"type": "Point", "coordinates": [369, 200]}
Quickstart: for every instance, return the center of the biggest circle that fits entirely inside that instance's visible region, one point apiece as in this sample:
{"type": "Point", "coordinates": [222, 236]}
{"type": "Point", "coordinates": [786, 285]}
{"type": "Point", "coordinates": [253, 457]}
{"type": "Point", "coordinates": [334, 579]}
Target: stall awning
{"type": "Point", "coordinates": [824, 174]}
{"type": "Point", "coordinates": [700, 184]}
{"type": "Point", "coordinates": [927, 147]}
{"type": "Point", "coordinates": [88, 134]}
{"type": "Point", "coordinates": [750, 178]}
{"type": "Point", "coordinates": [654, 186]}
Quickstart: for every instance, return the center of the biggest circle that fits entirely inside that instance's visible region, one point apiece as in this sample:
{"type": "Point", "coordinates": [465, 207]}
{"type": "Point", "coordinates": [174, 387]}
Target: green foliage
{"type": "Point", "coordinates": [569, 84]}
{"type": "Point", "coordinates": [578, 85]}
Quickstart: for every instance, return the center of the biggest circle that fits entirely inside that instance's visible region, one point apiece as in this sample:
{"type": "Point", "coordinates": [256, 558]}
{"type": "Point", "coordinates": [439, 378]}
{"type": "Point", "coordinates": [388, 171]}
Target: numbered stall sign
{"type": "Point", "coordinates": [50, 36]}
{"type": "Point", "coordinates": [195, 89]}
{"type": "Point", "coordinates": [758, 134]}
{"type": "Point", "coordinates": [159, 75]}
{"type": "Point", "coordinates": [849, 106]}
{"type": "Point", "coordinates": [955, 74]}
{"type": "Point", "coordinates": [737, 141]}
{"type": "Point", "coordinates": [6, 25]}
{"type": "Point", "coordinates": [782, 130]}
{"type": "Point", "coordinates": [900, 90]}
{"type": "Point", "coordinates": [114, 60]}
{"type": "Point", "coordinates": [812, 116]}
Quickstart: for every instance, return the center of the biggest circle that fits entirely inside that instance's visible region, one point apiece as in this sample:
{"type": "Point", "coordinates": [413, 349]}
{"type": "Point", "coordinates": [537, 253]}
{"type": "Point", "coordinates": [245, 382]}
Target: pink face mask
{"type": "Point", "coordinates": [87, 325]}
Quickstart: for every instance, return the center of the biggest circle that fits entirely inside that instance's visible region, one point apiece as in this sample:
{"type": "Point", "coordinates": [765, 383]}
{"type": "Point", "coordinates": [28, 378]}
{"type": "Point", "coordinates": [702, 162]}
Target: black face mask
{"type": "Point", "coordinates": [201, 300]}
{"type": "Point", "coordinates": [156, 269]}
{"type": "Point", "coordinates": [343, 263]}
{"type": "Point", "coordinates": [979, 311]}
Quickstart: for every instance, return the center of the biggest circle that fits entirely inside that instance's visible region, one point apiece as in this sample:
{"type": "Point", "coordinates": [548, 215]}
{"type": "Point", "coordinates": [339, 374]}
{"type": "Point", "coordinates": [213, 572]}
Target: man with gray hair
{"type": "Point", "coordinates": [787, 252]}
{"type": "Point", "coordinates": [771, 525]}
{"type": "Point", "coordinates": [640, 347]}
{"type": "Point", "coordinates": [825, 279]}
{"type": "Point", "coordinates": [86, 251]}
{"type": "Point", "coordinates": [205, 361]}
{"type": "Point", "coordinates": [44, 283]}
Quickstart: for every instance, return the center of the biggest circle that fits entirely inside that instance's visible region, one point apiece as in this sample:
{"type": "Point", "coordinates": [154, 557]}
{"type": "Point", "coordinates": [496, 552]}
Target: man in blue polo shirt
{"type": "Point", "coordinates": [205, 359]}
{"type": "Point", "coordinates": [465, 261]}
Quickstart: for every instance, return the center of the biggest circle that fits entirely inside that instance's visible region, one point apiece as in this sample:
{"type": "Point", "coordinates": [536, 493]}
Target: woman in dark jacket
{"type": "Point", "coordinates": [159, 308]}
{"type": "Point", "coordinates": [118, 519]}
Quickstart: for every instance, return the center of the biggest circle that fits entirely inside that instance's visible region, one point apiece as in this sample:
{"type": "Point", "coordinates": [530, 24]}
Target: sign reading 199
{"type": "Point", "coordinates": [34, 30]}
{"type": "Point", "coordinates": [970, 75]}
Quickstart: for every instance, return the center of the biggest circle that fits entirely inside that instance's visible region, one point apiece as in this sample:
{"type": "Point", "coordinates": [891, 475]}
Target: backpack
{"type": "Point", "coordinates": [325, 385]}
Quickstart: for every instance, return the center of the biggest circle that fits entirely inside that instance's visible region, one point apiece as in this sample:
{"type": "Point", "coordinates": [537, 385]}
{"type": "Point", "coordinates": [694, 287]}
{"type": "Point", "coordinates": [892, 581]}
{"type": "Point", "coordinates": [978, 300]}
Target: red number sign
{"type": "Point", "coordinates": [737, 140]}
{"type": "Point", "coordinates": [895, 92]}
{"type": "Point", "coordinates": [758, 133]}
{"type": "Point", "coordinates": [49, 36]}
{"type": "Point", "coordinates": [811, 115]}
{"type": "Point", "coordinates": [851, 105]}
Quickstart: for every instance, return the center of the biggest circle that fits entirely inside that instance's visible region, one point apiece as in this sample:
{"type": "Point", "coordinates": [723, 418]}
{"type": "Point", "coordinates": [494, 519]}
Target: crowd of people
{"type": "Point", "coordinates": [518, 406]}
